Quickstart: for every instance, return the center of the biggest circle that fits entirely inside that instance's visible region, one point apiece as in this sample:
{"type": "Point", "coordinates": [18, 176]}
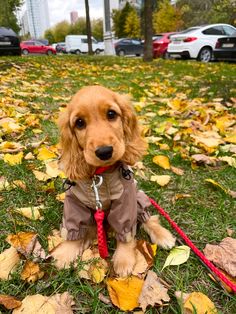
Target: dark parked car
{"type": "Point", "coordinates": [9, 42]}
{"type": "Point", "coordinates": [160, 45]}
{"type": "Point", "coordinates": [61, 47]}
{"type": "Point", "coordinates": [225, 48]}
{"type": "Point", "coordinates": [127, 46]}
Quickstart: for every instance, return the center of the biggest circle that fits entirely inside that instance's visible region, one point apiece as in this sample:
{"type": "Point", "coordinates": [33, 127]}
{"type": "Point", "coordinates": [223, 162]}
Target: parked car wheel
{"type": "Point", "coordinates": [49, 52]}
{"type": "Point", "coordinates": [121, 53]}
{"type": "Point", "coordinates": [98, 51]}
{"type": "Point", "coordinates": [205, 54]}
{"type": "Point", "coordinates": [77, 52]}
{"type": "Point", "coordinates": [166, 55]}
{"type": "Point", "coordinates": [25, 52]}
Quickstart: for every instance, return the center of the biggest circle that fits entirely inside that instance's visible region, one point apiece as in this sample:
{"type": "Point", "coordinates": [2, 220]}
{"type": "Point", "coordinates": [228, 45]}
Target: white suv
{"type": "Point", "coordinates": [198, 42]}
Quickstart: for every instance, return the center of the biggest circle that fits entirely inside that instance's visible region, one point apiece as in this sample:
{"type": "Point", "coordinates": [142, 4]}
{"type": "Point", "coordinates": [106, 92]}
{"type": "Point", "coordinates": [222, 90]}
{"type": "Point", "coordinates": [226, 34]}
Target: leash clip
{"type": "Point", "coordinates": [97, 182]}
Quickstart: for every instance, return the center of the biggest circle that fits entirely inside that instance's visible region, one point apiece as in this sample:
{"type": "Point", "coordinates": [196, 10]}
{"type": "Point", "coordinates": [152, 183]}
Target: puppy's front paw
{"type": "Point", "coordinates": [158, 234]}
{"type": "Point", "coordinates": [124, 259]}
{"type": "Point", "coordinates": [67, 252]}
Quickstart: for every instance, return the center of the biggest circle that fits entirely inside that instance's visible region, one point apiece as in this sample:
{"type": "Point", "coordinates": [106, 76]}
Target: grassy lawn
{"type": "Point", "coordinates": [175, 100]}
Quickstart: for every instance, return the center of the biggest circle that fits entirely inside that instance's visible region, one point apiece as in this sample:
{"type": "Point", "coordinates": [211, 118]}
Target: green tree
{"type": "Point", "coordinates": [8, 13]}
{"type": "Point", "coordinates": [49, 36]}
{"type": "Point", "coordinates": [78, 28]}
{"type": "Point", "coordinates": [224, 11]}
{"type": "Point", "coordinates": [60, 31]}
{"type": "Point", "coordinates": [119, 19]}
{"type": "Point", "coordinates": [97, 29]}
{"type": "Point", "coordinates": [167, 18]}
{"type": "Point", "coordinates": [132, 25]}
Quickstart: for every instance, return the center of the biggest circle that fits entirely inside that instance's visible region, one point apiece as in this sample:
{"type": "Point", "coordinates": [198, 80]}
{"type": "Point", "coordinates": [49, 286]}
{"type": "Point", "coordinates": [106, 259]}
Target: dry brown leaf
{"type": "Point", "coordinates": [8, 262]}
{"type": "Point", "coordinates": [39, 304]}
{"type": "Point", "coordinates": [223, 255]}
{"type": "Point", "coordinates": [141, 265]}
{"type": "Point", "coordinates": [31, 272]}
{"type": "Point", "coordinates": [178, 171]}
{"type": "Point", "coordinates": [41, 176]}
{"type": "Point", "coordinates": [232, 279]}
{"type": "Point", "coordinates": [207, 160]}
{"type": "Point", "coordinates": [153, 292]}
{"type": "Point", "coordinates": [20, 184]}
{"type": "Point", "coordinates": [148, 251]}
{"type": "Point", "coordinates": [26, 243]}
{"type": "Point", "coordinates": [124, 292]}
{"type": "Point", "coordinates": [9, 302]}
{"type": "Point", "coordinates": [180, 196]}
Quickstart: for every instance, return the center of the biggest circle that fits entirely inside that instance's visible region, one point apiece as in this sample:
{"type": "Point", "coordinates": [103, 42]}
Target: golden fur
{"type": "Point", "coordinates": [79, 161]}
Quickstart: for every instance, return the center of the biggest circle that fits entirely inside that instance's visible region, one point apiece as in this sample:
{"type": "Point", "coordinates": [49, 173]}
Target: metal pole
{"type": "Point", "coordinates": [108, 42]}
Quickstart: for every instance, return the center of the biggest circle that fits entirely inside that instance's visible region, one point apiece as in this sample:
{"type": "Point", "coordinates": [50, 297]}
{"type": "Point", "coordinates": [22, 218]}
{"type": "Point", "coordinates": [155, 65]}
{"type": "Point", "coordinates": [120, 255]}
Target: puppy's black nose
{"type": "Point", "coordinates": [104, 152]}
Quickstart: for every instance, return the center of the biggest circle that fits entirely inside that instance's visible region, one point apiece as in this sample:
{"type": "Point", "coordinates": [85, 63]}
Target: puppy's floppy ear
{"type": "Point", "coordinates": [72, 159]}
{"type": "Point", "coordinates": [134, 143]}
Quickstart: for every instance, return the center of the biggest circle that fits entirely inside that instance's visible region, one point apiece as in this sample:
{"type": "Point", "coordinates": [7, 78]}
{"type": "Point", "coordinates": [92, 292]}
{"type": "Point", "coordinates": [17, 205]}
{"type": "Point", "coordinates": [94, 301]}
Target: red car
{"type": "Point", "coordinates": [32, 46]}
{"type": "Point", "coordinates": [160, 45]}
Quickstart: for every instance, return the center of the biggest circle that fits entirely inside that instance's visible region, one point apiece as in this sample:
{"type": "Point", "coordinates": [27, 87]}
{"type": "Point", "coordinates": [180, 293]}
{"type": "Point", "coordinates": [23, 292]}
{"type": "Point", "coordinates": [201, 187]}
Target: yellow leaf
{"type": "Point", "coordinates": [32, 213]}
{"type": "Point", "coordinates": [162, 180]}
{"type": "Point", "coordinates": [61, 197]}
{"type": "Point", "coordinates": [162, 161]}
{"type": "Point", "coordinates": [4, 184]}
{"type": "Point", "coordinates": [8, 262]}
{"type": "Point", "coordinates": [31, 272]}
{"type": "Point", "coordinates": [177, 256]}
{"type": "Point", "coordinates": [124, 292]}
{"type": "Point", "coordinates": [217, 185]}
{"type": "Point", "coordinates": [199, 303]}
{"type": "Point", "coordinates": [45, 154]}
{"type": "Point", "coordinates": [23, 241]}
{"type": "Point", "coordinates": [19, 184]}
{"type": "Point", "coordinates": [54, 240]}
{"type": "Point", "coordinates": [41, 176]}
{"type": "Point", "coordinates": [231, 138]}
{"type": "Point", "coordinates": [13, 159]}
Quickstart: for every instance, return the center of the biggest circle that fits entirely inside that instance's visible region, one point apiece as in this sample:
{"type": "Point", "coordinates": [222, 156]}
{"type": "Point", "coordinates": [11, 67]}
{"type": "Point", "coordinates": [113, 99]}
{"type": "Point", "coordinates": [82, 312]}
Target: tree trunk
{"type": "Point", "coordinates": [88, 27]}
{"type": "Point", "coordinates": [148, 55]}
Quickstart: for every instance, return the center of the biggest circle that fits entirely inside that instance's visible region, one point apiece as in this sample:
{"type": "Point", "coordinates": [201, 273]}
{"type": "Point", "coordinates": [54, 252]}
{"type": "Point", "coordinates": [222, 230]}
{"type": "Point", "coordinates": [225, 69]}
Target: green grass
{"type": "Point", "coordinates": [46, 83]}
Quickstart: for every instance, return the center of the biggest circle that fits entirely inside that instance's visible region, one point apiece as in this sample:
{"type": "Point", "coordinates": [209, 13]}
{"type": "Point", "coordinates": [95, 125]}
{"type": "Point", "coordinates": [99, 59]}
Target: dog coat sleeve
{"type": "Point", "coordinates": [76, 217]}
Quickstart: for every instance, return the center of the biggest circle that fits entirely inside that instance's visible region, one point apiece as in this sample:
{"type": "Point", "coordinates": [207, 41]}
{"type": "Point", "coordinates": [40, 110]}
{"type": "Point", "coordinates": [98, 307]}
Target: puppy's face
{"type": "Point", "coordinates": [98, 128]}
{"type": "Point", "coordinates": [96, 122]}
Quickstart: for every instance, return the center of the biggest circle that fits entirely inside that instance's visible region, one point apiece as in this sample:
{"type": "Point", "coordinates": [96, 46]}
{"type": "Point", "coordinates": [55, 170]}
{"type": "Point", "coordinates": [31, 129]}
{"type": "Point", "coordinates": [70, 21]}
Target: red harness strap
{"type": "Point", "coordinates": [202, 257]}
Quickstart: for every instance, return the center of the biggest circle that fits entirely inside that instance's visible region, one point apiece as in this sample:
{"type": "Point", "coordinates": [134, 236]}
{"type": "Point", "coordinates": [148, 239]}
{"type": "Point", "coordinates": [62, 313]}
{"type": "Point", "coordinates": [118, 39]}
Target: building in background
{"type": "Point", "coordinates": [38, 18]}
{"type": "Point", "coordinates": [74, 17]}
{"type": "Point", "coordinates": [24, 23]}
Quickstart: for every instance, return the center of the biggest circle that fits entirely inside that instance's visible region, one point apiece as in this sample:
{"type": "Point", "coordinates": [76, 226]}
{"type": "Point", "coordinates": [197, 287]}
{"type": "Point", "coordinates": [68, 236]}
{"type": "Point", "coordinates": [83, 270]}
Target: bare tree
{"type": "Point", "coordinates": [148, 56]}
{"type": "Point", "coordinates": [88, 27]}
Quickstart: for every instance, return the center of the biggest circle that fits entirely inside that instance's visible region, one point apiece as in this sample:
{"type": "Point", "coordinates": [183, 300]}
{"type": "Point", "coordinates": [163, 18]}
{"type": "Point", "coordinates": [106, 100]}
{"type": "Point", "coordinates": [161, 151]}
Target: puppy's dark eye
{"type": "Point", "coordinates": [111, 115]}
{"type": "Point", "coordinates": [80, 123]}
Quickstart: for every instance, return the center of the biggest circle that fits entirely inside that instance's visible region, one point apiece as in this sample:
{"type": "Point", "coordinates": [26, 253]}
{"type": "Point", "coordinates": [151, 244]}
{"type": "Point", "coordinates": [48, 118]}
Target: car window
{"type": "Point", "coordinates": [125, 41]}
{"type": "Point", "coordinates": [84, 40]}
{"type": "Point", "coordinates": [216, 30]}
{"type": "Point", "coordinates": [229, 30]}
{"type": "Point", "coordinates": [29, 43]}
{"type": "Point", "coordinates": [189, 30]}
{"type": "Point", "coordinates": [38, 43]}
{"type": "Point", "coordinates": [157, 37]}
{"type": "Point", "coordinates": [135, 42]}
{"type": "Point", "coordinates": [7, 32]}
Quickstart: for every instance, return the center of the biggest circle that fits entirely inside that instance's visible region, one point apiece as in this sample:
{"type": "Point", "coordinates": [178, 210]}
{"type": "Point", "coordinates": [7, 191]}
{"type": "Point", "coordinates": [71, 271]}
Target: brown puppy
{"type": "Point", "coordinates": [99, 128]}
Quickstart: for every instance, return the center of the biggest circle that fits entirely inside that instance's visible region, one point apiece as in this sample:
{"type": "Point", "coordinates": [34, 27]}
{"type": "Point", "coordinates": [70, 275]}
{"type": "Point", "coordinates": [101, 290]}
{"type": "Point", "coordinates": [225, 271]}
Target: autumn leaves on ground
{"type": "Point", "coordinates": [187, 111]}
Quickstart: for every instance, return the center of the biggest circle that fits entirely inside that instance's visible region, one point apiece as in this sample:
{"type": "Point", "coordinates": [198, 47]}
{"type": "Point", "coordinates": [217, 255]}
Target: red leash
{"type": "Point", "coordinates": [202, 257]}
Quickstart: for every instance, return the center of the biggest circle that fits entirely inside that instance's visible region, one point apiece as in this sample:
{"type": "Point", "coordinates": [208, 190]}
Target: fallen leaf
{"type": "Point", "coordinates": [9, 259]}
{"type": "Point", "coordinates": [223, 255]}
{"type": "Point", "coordinates": [178, 171]}
{"type": "Point", "coordinates": [180, 196]}
{"type": "Point", "coordinates": [199, 303]}
{"type": "Point", "coordinates": [177, 256]}
{"type": "Point", "coordinates": [153, 292]}
{"type": "Point", "coordinates": [13, 160]}
{"type": "Point", "coordinates": [230, 160]}
{"type": "Point", "coordinates": [232, 279]}
{"type": "Point", "coordinates": [31, 272]}
{"type": "Point", "coordinates": [4, 184]}
{"type": "Point", "coordinates": [41, 176]}
{"type": "Point", "coordinates": [61, 197]}
{"type": "Point", "coordinates": [231, 138]}
{"type": "Point", "coordinates": [9, 302]}
{"type": "Point", "coordinates": [162, 161]}
{"type": "Point", "coordinates": [54, 240]}
{"type": "Point", "coordinates": [39, 304]}
{"type": "Point", "coordinates": [230, 232]}
{"type": "Point", "coordinates": [162, 180]}
{"type": "Point", "coordinates": [227, 191]}
{"type": "Point", "coordinates": [124, 292]}
{"type": "Point", "coordinates": [32, 213]}
{"type": "Point", "coordinates": [29, 156]}
{"type": "Point", "coordinates": [207, 160]}
{"type": "Point", "coordinates": [19, 184]}
{"type": "Point", "coordinates": [45, 154]}
{"type": "Point", "coordinates": [52, 169]}
{"type": "Point", "coordinates": [94, 267]}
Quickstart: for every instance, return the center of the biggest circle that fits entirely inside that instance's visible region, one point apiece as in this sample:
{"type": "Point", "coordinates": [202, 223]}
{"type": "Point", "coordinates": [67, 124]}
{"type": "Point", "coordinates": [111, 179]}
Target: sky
{"type": "Point", "coordinates": [59, 10]}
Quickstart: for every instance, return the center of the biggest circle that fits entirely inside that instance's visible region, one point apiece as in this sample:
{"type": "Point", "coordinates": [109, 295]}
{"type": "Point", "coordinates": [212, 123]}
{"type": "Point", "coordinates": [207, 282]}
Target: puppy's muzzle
{"type": "Point", "coordinates": [104, 152]}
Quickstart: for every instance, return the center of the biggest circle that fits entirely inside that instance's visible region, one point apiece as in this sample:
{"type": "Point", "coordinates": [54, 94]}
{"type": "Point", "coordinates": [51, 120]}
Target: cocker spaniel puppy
{"type": "Point", "coordinates": [99, 129]}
